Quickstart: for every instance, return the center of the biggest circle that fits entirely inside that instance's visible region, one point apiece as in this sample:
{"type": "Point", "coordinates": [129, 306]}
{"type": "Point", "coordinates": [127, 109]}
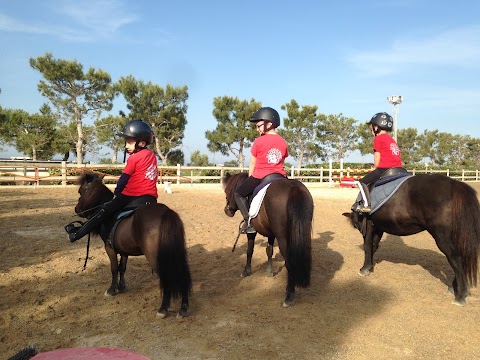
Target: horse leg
{"type": "Point", "coordinates": [459, 285]}
{"type": "Point", "coordinates": [122, 268]}
{"type": "Point", "coordinates": [290, 290]}
{"type": "Point", "coordinates": [269, 251]}
{"type": "Point", "coordinates": [248, 267]}
{"type": "Point", "coordinates": [370, 245]}
{"type": "Point", "coordinates": [112, 255]}
{"type": "Point", "coordinates": [183, 312]}
{"type": "Point", "coordinates": [163, 311]}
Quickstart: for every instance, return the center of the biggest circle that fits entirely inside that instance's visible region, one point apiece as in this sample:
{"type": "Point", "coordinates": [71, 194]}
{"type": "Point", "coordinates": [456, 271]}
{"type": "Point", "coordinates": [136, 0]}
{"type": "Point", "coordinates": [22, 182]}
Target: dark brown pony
{"type": "Point", "coordinates": [153, 230]}
{"type": "Point", "coordinates": [448, 209]}
{"type": "Point", "coordinates": [286, 215]}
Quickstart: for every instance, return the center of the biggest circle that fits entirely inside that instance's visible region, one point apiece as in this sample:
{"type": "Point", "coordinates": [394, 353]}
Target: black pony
{"type": "Point", "coordinates": [448, 209]}
{"type": "Point", "coordinates": [153, 230]}
{"type": "Point", "coordinates": [286, 215]}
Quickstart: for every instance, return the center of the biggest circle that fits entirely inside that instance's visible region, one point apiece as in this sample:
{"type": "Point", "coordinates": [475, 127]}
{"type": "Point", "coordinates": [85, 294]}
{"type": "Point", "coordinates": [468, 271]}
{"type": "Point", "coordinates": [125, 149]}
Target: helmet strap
{"type": "Point", "coordinates": [377, 131]}
{"type": "Point", "coordinates": [138, 147]}
{"type": "Point", "coordinates": [265, 129]}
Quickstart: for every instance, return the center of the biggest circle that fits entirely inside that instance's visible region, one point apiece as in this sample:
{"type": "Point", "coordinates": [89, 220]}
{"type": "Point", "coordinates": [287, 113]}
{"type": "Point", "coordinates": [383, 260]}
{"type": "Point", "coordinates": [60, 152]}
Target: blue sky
{"type": "Point", "coordinates": [345, 57]}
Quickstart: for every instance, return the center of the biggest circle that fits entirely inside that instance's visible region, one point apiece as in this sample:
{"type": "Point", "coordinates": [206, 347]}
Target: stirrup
{"type": "Point", "coordinates": [366, 209]}
{"type": "Point", "coordinates": [72, 228]}
{"type": "Point", "coordinates": [246, 228]}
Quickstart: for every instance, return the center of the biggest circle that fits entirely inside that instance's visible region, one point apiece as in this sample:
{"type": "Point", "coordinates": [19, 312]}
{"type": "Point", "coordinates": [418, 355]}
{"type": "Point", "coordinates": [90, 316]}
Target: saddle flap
{"type": "Point", "coordinates": [257, 202]}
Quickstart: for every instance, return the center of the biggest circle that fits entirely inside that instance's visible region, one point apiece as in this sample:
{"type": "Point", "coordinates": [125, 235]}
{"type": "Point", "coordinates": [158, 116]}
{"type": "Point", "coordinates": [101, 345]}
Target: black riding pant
{"type": "Point", "coordinates": [247, 187]}
{"type": "Point", "coordinates": [373, 176]}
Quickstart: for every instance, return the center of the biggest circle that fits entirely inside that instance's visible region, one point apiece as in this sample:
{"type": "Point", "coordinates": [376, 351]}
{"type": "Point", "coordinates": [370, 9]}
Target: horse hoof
{"type": "Point", "coordinates": [162, 314]}
{"type": "Point", "coordinates": [364, 272]}
{"type": "Point", "coordinates": [289, 300]}
{"type": "Point", "coordinates": [461, 302]}
{"type": "Point", "coordinates": [245, 273]}
{"type": "Point", "coordinates": [109, 293]}
{"type": "Point", "coordinates": [182, 314]}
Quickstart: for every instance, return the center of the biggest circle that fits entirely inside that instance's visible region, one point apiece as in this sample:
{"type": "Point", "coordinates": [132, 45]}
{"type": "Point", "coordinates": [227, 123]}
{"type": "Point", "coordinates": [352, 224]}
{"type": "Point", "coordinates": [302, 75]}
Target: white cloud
{"type": "Point", "coordinates": [75, 21]}
{"type": "Point", "coordinates": [102, 17]}
{"type": "Point", "coordinates": [457, 47]}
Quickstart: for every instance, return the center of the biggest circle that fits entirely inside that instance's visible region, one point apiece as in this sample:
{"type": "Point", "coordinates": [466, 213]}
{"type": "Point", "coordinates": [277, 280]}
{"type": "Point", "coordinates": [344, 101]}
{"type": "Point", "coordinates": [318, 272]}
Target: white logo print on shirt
{"type": "Point", "coordinates": [394, 149]}
{"type": "Point", "coordinates": [274, 156]}
{"type": "Point", "coordinates": [151, 173]}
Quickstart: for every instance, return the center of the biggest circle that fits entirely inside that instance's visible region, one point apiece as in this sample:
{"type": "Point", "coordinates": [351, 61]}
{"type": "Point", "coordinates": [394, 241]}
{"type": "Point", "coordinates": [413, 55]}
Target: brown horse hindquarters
{"type": "Point", "coordinates": [416, 207]}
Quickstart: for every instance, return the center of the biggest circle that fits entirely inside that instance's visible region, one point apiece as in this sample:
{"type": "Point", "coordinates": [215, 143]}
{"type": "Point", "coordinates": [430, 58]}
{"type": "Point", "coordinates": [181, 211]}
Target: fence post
{"type": "Point", "coordinates": [178, 174]}
{"type": "Point", "coordinates": [37, 176]}
{"type": "Point", "coordinates": [321, 174]}
{"type": "Point", "coordinates": [64, 173]}
{"type": "Point", "coordinates": [330, 171]}
{"type": "Point", "coordinates": [292, 172]}
{"type": "Point", "coordinates": [463, 174]}
{"type": "Point", "coordinates": [341, 168]}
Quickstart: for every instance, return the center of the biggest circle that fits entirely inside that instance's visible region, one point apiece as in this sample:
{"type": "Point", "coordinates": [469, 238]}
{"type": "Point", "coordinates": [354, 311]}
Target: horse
{"type": "Point", "coordinates": [446, 208]}
{"type": "Point", "coordinates": [153, 230]}
{"type": "Point", "coordinates": [286, 214]}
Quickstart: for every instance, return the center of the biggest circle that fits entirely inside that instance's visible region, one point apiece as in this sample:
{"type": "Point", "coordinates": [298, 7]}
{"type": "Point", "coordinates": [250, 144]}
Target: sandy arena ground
{"type": "Point", "coordinates": [401, 311]}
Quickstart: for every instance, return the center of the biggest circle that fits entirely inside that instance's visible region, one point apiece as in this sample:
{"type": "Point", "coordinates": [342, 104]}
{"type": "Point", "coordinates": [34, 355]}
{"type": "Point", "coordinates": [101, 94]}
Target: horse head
{"type": "Point", "coordinates": [230, 183]}
{"type": "Point", "coordinates": [358, 221]}
{"type": "Point", "coordinates": [93, 193]}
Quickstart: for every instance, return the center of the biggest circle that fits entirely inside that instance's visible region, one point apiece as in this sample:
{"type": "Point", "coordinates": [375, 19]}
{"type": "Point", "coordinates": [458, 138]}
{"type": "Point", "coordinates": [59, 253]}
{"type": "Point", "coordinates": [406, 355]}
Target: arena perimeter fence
{"type": "Point", "coordinates": [63, 173]}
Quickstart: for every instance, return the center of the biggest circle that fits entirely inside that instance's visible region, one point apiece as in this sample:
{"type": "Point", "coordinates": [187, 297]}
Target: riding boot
{"type": "Point", "coordinates": [242, 203]}
{"type": "Point", "coordinates": [366, 208]}
{"type": "Point", "coordinates": [76, 233]}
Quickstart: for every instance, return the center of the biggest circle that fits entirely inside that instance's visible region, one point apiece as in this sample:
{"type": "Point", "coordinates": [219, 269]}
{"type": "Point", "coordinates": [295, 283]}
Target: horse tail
{"type": "Point", "coordinates": [172, 262]}
{"type": "Point", "coordinates": [299, 240]}
{"type": "Point", "coordinates": [466, 228]}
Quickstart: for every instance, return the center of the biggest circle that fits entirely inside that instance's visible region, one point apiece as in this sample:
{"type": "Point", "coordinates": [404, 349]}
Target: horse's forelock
{"type": "Point", "coordinates": [92, 191]}
{"type": "Point", "coordinates": [232, 182]}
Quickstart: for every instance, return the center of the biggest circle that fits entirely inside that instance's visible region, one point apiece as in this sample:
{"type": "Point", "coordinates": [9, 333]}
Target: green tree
{"type": "Point", "coordinates": [67, 137]}
{"type": "Point", "coordinates": [364, 139]}
{"type": "Point", "coordinates": [164, 109]}
{"type": "Point", "coordinates": [473, 155]}
{"type": "Point", "coordinates": [408, 144]}
{"type": "Point", "coordinates": [339, 136]}
{"type": "Point", "coordinates": [176, 157]}
{"type": "Point", "coordinates": [74, 93]}
{"type": "Point", "coordinates": [233, 133]}
{"type": "Point", "coordinates": [106, 129]}
{"type": "Point", "coordinates": [198, 159]}
{"type": "Point", "coordinates": [300, 132]}
{"type": "Point", "coordinates": [435, 146]}
{"type": "Point", "coordinates": [30, 134]}
{"type": "Point", "coordinates": [458, 149]}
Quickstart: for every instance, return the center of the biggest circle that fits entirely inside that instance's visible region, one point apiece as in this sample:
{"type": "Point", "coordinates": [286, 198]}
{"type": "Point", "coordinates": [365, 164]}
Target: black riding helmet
{"type": "Point", "coordinates": [137, 129]}
{"type": "Point", "coordinates": [267, 114]}
{"type": "Point", "coordinates": [383, 121]}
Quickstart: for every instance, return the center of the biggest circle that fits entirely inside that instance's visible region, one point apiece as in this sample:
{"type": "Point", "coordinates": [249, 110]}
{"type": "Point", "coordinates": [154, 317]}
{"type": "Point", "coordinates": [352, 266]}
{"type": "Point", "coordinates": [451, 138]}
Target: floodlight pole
{"type": "Point", "coordinates": [395, 100]}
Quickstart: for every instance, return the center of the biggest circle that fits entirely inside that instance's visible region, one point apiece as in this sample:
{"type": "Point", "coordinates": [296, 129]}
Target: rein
{"type": "Point", "coordinates": [93, 208]}
{"type": "Point", "coordinates": [88, 250]}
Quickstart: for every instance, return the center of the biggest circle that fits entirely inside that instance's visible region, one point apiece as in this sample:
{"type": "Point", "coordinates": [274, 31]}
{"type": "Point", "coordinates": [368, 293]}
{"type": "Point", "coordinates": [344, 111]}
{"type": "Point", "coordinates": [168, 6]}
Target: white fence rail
{"type": "Point", "coordinates": [62, 173]}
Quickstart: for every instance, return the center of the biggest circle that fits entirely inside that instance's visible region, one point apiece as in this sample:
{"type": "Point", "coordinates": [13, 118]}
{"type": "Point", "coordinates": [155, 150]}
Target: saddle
{"type": "Point", "coordinates": [267, 180]}
{"type": "Point", "coordinates": [109, 227]}
{"type": "Point", "coordinates": [382, 189]}
{"type": "Point", "coordinates": [255, 200]}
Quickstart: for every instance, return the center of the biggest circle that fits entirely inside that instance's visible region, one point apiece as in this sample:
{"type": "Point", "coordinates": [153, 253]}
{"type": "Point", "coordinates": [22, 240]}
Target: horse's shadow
{"type": "Point", "coordinates": [393, 249]}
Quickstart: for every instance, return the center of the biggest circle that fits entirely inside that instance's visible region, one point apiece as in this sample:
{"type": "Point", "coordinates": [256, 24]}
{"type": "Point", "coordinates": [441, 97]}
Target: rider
{"type": "Point", "coordinates": [266, 157]}
{"type": "Point", "coordinates": [386, 153]}
{"type": "Point", "coordinates": [139, 177]}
